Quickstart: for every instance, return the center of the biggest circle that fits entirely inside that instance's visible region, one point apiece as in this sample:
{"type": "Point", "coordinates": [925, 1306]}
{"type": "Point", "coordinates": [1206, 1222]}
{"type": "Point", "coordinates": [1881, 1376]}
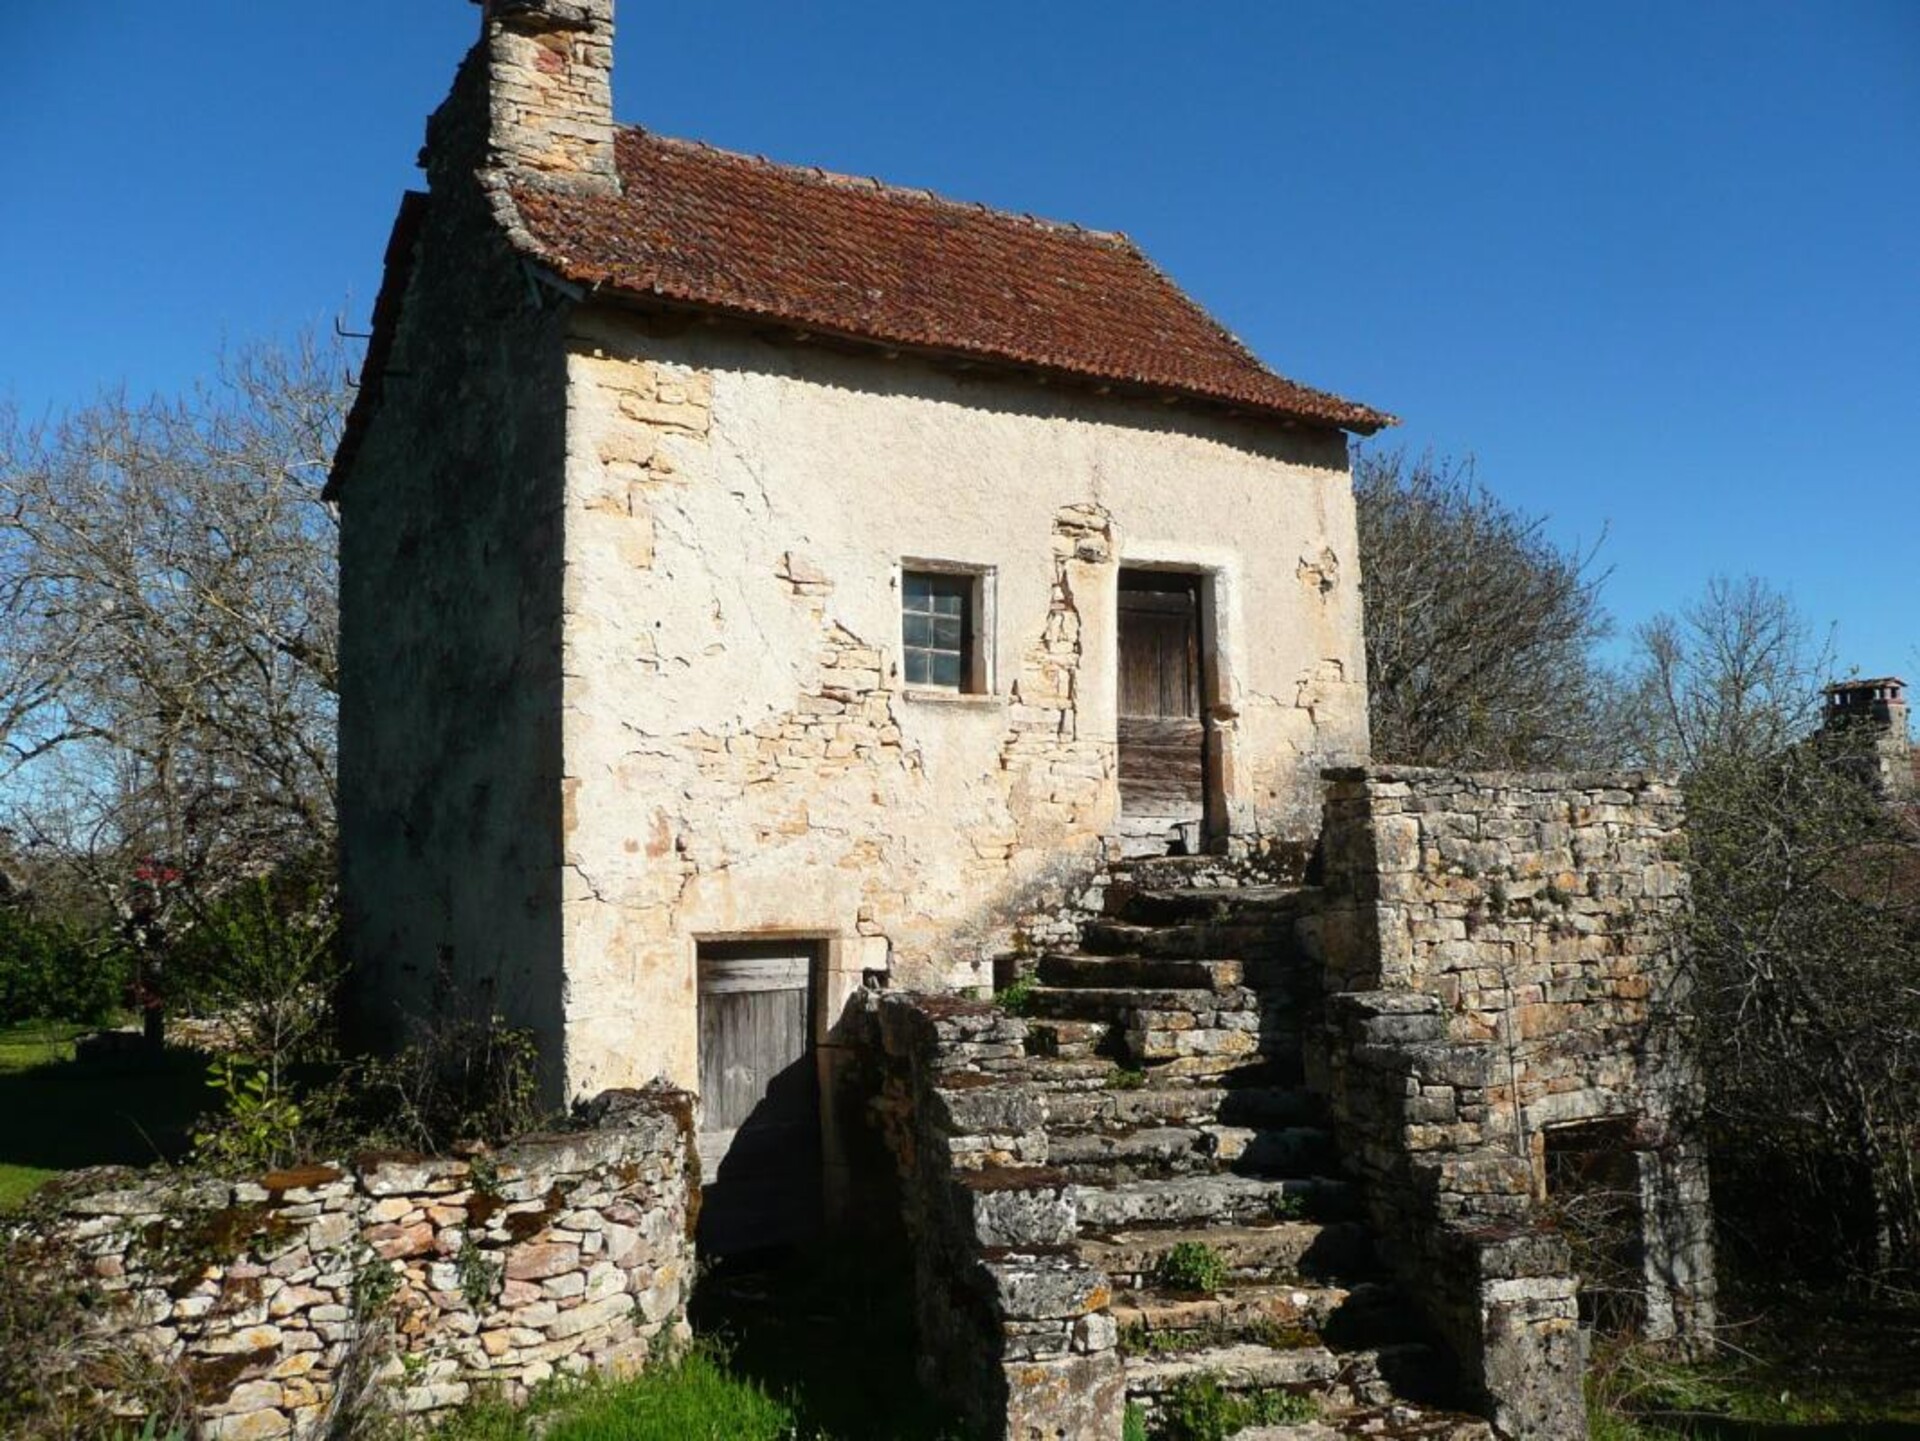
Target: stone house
{"type": "Point", "coordinates": [771, 599]}
{"type": "Point", "coordinates": [766, 579]}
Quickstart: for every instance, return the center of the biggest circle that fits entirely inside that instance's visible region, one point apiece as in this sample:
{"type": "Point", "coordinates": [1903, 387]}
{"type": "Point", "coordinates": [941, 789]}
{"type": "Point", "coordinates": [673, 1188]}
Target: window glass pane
{"type": "Point", "coordinates": [949, 599]}
{"type": "Point", "coordinates": [946, 632]}
{"type": "Point", "coordinates": [916, 587]}
{"type": "Point", "coordinates": [918, 629]}
{"type": "Point", "coordinates": [918, 669]}
{"type": "Point", "coordinates": [946, 668]}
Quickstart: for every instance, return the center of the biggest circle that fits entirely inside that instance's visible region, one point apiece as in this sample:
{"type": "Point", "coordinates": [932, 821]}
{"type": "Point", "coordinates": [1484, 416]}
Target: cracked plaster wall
{"type": "Point", "coordinates": [740, 756]}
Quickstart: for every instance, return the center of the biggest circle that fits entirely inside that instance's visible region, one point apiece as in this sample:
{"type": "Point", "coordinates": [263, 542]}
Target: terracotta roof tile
{"type": "Point", "coordinates": [853, 258]}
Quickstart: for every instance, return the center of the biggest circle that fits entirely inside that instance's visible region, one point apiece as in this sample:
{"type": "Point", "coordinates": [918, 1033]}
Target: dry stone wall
{"type": "Point", "coordinates": [494, 1271]}
{"type": "Point", "coordinates": [1500, 956]}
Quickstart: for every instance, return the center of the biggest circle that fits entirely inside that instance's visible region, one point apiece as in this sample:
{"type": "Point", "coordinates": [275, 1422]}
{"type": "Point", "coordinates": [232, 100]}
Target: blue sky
{"type": "Point", "coordinates": [1656, 265]}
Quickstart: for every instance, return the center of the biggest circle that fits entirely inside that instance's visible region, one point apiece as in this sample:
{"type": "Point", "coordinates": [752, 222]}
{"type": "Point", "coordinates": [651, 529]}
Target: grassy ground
{"type": "Point", "coordinates": [819, 1349]}
{"type": "Point", "coordinates": [57, 1115]}
{"type": "Point", "coordinates": [1808, 1369]}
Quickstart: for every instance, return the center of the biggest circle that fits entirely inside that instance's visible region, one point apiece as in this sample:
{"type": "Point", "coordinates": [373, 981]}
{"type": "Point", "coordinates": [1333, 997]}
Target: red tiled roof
{"type": "Point", "coordinates": [855, 259]}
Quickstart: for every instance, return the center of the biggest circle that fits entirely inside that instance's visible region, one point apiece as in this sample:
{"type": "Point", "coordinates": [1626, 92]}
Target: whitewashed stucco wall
{"type": "Point", "coordinates": [739, 755]}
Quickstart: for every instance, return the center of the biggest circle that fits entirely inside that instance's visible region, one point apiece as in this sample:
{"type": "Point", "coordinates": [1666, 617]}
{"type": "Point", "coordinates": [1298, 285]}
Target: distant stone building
{"type": "Point", "coordinates": [1878, 709]}
{"type": "Point", "coordinates": [736, 553]}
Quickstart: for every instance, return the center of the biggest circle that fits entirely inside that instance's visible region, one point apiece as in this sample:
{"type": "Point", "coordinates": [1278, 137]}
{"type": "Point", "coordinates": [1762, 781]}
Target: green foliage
{"type": "Point", "coordinates": [1192, 1266]}
{"type": "Point", "coordinates": [1134, 1426]}
{"type": "Point", "coordinates": [259, 1123]}
{"type": "Point", "coordinates": [54, 1366]}
{"type": "Point", "coordinates": [1017, 998]}
{"type": "Point", "coordinates": [264, 953]}
{"type": "Point", "coordinates": [695, 1398]}
{"type": "Point", "coordinates": [154, 1429]}
{"type": "Point", "coordinates": [1127, 1078]}
{"type": "Point", "coordinates": [54, 969]}
{"type": "Point", "coordinates": [1199, 1408]}
{"type": "Point", "coordinates": [479, 1275]}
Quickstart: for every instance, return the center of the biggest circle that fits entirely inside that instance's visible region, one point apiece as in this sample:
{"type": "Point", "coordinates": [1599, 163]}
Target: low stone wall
{"type": "Point", "coordinates": [1014, 1328]}
{"type": "Point", "coordinates": [431, 1277]}
{"type": "Point", "coordinates": [1499, 953]}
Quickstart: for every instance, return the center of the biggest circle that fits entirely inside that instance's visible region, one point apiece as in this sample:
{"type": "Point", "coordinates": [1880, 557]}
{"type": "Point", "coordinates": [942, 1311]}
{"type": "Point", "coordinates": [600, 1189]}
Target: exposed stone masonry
{"type": "Point", "coordinates": [497, 1270]}
{"type": "Point", "coordinates": [1147, 1100]}
{"type": "Point", "coordinates": [1501, 953]}
{"type": "Point", "coordinates": [550, 66]}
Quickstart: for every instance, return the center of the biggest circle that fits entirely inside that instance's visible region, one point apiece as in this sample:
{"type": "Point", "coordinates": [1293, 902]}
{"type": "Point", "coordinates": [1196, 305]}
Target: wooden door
{"type": "Point", "coordinates": [1163, 738]}
{"type": "Point", "coordinates": [759, 1094]}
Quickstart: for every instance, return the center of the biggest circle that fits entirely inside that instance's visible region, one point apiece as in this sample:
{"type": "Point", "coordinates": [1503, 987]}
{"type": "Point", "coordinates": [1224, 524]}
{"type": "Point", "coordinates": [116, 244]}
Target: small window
{"type": "Point", "coordinates": [942, 616]}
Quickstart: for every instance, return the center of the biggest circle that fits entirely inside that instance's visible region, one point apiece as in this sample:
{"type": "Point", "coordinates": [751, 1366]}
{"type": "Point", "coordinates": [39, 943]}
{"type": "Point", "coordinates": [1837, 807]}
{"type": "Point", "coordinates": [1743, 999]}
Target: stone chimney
{"type": "Point", "coordinates": [534, 98]}
{"type": "Point", "coordinates": [1879, 707]}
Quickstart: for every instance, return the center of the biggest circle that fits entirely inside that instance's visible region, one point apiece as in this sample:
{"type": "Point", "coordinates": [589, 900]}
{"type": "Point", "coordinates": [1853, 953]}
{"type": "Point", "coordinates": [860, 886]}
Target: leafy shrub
{"type": "Point", "coordinates": [1134, 1426]}
{"type": "Point", "coordinates": [462, 1079]}
{"type": "Point", "coordinates": [264, 954]}
{"type": "Point", "coordinates": [260, 1125]}
{"type": "Point", "coordinates": [1192, 1266]}
{"type": "Point", "coordinates": [56, 971]}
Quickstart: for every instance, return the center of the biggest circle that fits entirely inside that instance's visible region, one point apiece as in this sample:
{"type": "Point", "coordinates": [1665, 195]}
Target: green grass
{"type": "Point", "coordinates": [697, 1398]}
{"type": "Point", "coordinates": [57, 1115]}
{"type": "Point", "coordinates": [1808, 1382]}
{"type": "Point", "coordinates": [820, 1349]}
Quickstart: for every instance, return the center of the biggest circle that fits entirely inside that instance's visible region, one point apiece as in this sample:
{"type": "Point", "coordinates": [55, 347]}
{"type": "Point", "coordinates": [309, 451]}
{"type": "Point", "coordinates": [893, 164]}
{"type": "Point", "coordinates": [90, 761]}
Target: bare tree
{"type": "Point", "coordinates": [1480, 629]}
{"type": "Point", "coordinates": [168, 639]}
{"type": "Point", "coordinates": [1804, 941]}
{"type": "Point", "coordinates": [1735, 674]}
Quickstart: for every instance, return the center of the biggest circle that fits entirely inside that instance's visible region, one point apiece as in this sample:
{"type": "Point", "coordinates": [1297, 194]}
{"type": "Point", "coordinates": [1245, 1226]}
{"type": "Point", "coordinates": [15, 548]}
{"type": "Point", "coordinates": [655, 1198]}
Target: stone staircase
{"type": "Point", "coordinates": [1167, 1055]}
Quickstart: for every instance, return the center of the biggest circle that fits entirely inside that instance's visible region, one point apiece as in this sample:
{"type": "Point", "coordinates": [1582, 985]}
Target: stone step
{"type": "Point", "coordinates": [1069, 1040]}
{"type": "Point", "coordinates": [1120, 1003]}
{"type": "Point", "coordinates": [1136, 1154]}
{"type": "Point", "coordinates": [1399, 1422]}
{"type": "Point", "coordinates": [1222, 1199]}
{"type": "Point", "coordinates": [1277, 905]}
{"type": "Point", "coordinates": [1151, 972]}
{"type": "Point", "coordinates": [1278, 1060]}
{"type": "Point", "coordinates": [1163, 1323]}
{"type": "Point", "coordinates": [1136, 1100]}
{"type": "Point", "coordinates": [1272, 1151]}
{"type": "Point", "coordinates": [1372, 1376]}
{"type": "Point", "coordinates": [1044, 1073]}
{"type": "Point", "coordinates": [1169, 872]}
{"type": "Point", "coordinates": [1259, 944]}
{"type": "Point", "coordinates": [1273, 1251]}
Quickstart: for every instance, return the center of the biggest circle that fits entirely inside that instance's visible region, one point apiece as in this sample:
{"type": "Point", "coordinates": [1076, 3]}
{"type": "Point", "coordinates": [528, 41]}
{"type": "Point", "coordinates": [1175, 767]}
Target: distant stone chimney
{"type": "Point", "coordinates": [534, 97]}
{"type": "Point", "coordinates": [1879, 708]}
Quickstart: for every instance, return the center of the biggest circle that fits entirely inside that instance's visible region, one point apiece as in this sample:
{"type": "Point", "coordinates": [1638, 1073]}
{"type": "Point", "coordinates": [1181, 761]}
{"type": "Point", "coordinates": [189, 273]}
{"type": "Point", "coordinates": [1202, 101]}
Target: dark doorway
{"type": "Point", "coordinates": [760, 1096]}
{"type": "Point", "coordinates": [1593, 1192]}
{"type": "Point", "coordinates": [1162, 730]}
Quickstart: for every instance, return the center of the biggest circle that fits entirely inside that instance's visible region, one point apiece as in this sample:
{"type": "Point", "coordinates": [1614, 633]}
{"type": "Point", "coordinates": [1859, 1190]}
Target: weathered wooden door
{"type": "Point", "coordinates": [759, 1094]}
{"type": "Point", "coordinates": [1163, 738]}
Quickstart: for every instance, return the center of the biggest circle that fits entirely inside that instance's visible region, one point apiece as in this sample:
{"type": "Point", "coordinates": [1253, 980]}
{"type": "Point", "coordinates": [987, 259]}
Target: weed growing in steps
{"type": "Point", "coordinates": [1017, 998]}
{"type": "Point", "coordinates": [1142, 1340]}
{"type": "Point", "coordinates": [1192, 1266]}
{"type": "Point", "coordinates": [1199, 1408]}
